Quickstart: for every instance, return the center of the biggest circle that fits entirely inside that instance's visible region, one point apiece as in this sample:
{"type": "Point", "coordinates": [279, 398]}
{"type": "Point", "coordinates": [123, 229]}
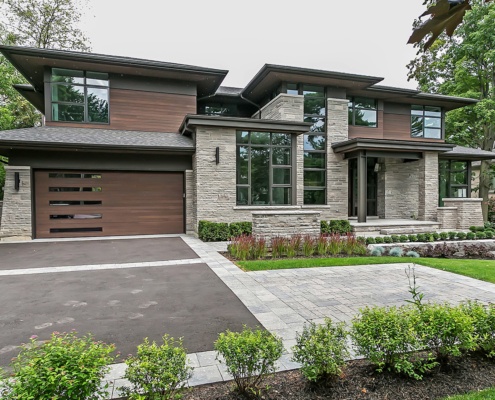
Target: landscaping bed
{"type": "Point", "coordinates": [359, 381]}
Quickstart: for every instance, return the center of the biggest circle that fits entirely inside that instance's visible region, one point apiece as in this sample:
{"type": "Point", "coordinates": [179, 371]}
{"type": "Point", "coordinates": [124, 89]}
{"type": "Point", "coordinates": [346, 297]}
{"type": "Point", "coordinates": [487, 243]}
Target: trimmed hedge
{"type": "Point", "coordinates": [340, 226]}
{"type": "Point", "coordinates": [221, 231]}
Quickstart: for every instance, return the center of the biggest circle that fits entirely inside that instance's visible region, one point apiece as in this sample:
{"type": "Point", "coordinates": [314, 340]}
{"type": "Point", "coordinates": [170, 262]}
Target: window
{"type": "Point", "coordinates": [426, 122]}
{"type": "Point", "coordinates": [264, 168]}
{"type": "Point", "coordinates": [453, 179]}
{"type": "Point", "coordinates": [362, 112]}
{"type": "Point", "coordinates": [218, 109]}
{"type": "Point", "coordinates": [79, 96]}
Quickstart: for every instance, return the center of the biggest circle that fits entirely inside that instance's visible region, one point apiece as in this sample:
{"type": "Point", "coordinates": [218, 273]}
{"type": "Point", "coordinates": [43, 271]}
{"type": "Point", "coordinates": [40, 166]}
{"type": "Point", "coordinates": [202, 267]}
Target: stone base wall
{"type": "Point", "coordinates": [428, 187]}
{"type": "Point", "coordinates": [284, 107]}
{"type": "Point", "coordinates": [269, 224]}
{"type": "Point", "coordinates": [400, 189]}
{"type": "Point", "coordinates": [468, 211]}
{"type": "Point", "coordinates": [1, 206]}
{"type": "Point", "coordinates": [17, 207]}
{"type": "Point", "coordinates": [447, 217]}
{"type": "Point", "coordinates": [190, 200]}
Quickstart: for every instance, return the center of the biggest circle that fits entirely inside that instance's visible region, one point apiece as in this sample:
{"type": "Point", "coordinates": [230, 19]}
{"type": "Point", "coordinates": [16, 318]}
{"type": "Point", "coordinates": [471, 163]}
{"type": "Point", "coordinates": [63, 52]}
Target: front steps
{"type": "Point", "coordinates": [375, 227]}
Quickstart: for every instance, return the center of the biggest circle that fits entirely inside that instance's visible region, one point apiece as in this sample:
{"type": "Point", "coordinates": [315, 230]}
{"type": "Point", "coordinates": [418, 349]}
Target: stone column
{"type": "Point", "coordinates": [337, 167]}
{"type": "Point", "coordinates": [17, 205]}
{"type": "Point", "coordinates": [190, 196]}
{"type": "Point", "coordinates": [428, 187]}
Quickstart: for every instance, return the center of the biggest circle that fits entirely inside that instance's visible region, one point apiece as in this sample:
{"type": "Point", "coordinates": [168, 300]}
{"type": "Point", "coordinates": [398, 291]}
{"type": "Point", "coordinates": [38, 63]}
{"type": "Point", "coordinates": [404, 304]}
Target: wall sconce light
{"type": "Point", "coordinates": [17, 181]}
{"type": "Point", "coordinates": [217, 155]}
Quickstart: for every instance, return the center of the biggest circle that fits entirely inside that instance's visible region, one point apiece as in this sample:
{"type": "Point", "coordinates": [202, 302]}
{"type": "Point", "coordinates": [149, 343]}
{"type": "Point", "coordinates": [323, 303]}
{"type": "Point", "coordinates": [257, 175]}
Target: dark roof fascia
{"type": "Point", "coordinates": [33, 145]}
{"type": "Point", "coordinates": [9, 51]}
{"type": "Point", "coordinates": [390, 145]}
{"type": "Point", "coordinates": [32, 95]}
{"type": "Point", "coordinates": [191, 121]}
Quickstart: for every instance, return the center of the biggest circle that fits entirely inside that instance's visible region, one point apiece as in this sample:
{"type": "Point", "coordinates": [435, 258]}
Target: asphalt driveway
{"type": "Point", "coordinates": [121, 305]}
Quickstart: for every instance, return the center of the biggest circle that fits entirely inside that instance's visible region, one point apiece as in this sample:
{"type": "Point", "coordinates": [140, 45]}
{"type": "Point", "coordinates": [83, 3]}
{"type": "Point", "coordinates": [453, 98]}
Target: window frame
{"type": "Point", "coordinates": [271, 167]}
{"type": "Point", "coordinates": [85, 87]}
{"type": "Point", "coordinates": [423, 116]}
{"type": "Point", "coordinates": [353, 109]}
{"type": "Point", "coordinates": [448, 171]}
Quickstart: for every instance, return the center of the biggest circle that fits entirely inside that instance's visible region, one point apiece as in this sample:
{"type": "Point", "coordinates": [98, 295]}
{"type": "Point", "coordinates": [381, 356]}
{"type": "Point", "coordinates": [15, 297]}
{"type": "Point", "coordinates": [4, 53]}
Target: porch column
{"type": "Point", "coordinates": [362, 187]}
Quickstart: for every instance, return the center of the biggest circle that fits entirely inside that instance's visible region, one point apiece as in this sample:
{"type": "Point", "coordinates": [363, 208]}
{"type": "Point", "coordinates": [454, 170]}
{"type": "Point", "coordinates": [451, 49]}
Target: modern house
{"type": "Point", "coordinates": [131, 146]}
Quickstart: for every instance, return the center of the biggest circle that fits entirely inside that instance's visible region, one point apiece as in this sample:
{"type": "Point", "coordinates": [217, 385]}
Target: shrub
{"type": "Point", "coordinates": [480, 228]}
{"type": "Point", "coordinates": [430, 237]}
{"type": "Point", "coordinates": [396, 252]}
{"type": "Point", "coordinates": [470, 236]}
{"type": "Point", "coordinates": [278, 246]}
{"type": "Point", "coordinates": [258, 249]}
{"type": "Point", "coordinates": [472, 228]}
{"type": "Point", "coordinates": [247, 248]}
{"type": "Point", "coordinates": [480, 235]}
{"type": "Point", "coordinates": [249, 356]}
{"type": "Point", "coordinates": [379, 240]}
{"type": "Point", "coordinates": [452, 235]}
{"type": "Point", "coordinates": [446, 330]}
{"type": "Point", "coordinates": [489, 234]}
{"type": "Point", "coordinates": [157, 372]}
{"type": "Point", "coordinates": [308, 245]}
{"type": "Point", "coordinates": [377, 251]}
{"type": "Point", "coordinates": [64, 367]}
{"type": "Point", "coordinates": [213, 231]}
{"type": "Point", "coordinates": [335, 244]}
{"type": "Point", "coordinates": [488, 225]}
{"type": "Point", "coordinates": [322, 246]}
{"type": "Point", "coordinates": [240, 228]}
{"type": "Point", "coordinates": [387, 239]}
{"type": "Point", "coordinates": [435, 235]}
{"type": "Point", "coordinates": [388, 339]}
{"type": "Point", "coordinates": [322, 350]}
{"type": "Point", "coordinates": [444, 235]}
{"type": "Point", "coordinates": [421, 237]}
{"type": "Point", "coordinates": [412, 238]}
{"type": "Point", "coordinates": [403, 238]}
{"type": "Point", "coordinates": [341, 226]}
{"type": "Point", "coordinates": [324, 228]}
{"type": "Point", "coordinates": [294, 245]}
{"type": "Point", "coordinates": [461, 235]}
{"type": "Point", "coordinates": [361, 239]}
{"type": "Point", "coordinates": [483, 320]}
{"type": "Point", "coordinates": [395, 238]}
{"type": "Point", "coordinates": [352, 246]}
{"type": "Point", "coordinates": [412, 253]}
{"type": "Point", "coordinates": [370, 240]}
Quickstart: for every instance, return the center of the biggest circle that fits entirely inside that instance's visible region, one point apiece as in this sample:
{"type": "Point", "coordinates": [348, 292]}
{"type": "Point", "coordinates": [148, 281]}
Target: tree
{"type": "Point", "coordinates": [464, 66]}
{"type": "Point", "coordinates": [446, 15]}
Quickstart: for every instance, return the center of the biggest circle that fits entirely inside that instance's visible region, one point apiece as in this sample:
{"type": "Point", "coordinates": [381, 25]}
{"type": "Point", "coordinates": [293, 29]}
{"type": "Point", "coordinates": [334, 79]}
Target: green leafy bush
{"type": "Point", "coordinates": [471, 236]}
{"type": "Point", "coordinates": [395, 238]}
{"type": "Point", "coordinates": [421, 237]}
{"type": "Point", "coordinates": [157, 372]}
{"type": "Point", "coordinates": [446, 330]}
{"type": "Point", "coordinates": [435, 235]}
{"type": "Point", "coordinates": [483, 320]}
{"type": "Point", "coordinates": [461, 235]}
{"type": "Point", "coordinates": [412, 253]}
{"type": "Point", "coordinates": [240, 228]}
{"type": "Point", "coordinates": [444, 235]}
{"type": "Point", "coordinates": [249, 356]}
{"type": "Point", "coordinates": [64, 367]}
{"type": "Point", "coordinates": [489, 234]}
{"type": "Point", "coordinates": [379, 240]}
{"type": "Point", "coordinates": [387, 239]}
{"type": "Point", "coordinates": [472, 228]}
{"type": "Point", "coordinates": [452, 235]}
{"type": "Point", "coordinates": [213, 231]}
{"type": "Point", "coordinates": [340, 226]}
{"type": "Point", "coordinates": [370, 240]}
{"type": "Point", "coordinates": [480, 235]}
{"type": "Point", "coordinates": [396, 252]}
{"type": "Point", "coordinates": [324, 228]}
{"type": "Point", "coordinates": [388, 339]}
{"type": "Point", "coordinates": [322, 350]}
{"type": "Point", "coordinates": [403, 238]}
{"type": "Point", "coordinates": [412, 238]}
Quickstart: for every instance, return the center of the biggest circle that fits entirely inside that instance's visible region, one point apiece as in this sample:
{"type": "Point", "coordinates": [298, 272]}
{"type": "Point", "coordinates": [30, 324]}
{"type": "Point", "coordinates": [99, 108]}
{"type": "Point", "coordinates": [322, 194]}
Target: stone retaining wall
{"type": "Point", "coordinates": [458, 245]}
{"type": "Point", "coordinates": [468, 212]}
{"type": "Point", "coordinates": [269, 224]}
{"type": "Point", "coordinates": [447, 217]}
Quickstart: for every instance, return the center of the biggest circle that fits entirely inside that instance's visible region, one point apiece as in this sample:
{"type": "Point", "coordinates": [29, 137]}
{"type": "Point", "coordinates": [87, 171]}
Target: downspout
{"type": "Point", "coordinates": [253, 103]}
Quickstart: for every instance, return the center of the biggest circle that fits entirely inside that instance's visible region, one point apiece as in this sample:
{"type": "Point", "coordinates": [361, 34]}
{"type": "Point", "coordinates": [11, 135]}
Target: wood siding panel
{"type": "Point", "coordinates": [143, 111]}
{"type": "Point", "coordinates": [133, 203]}
{"type": "Point", "coordinates": [367, 132]}
{"type": "Point", "coordinates": [398, 127]}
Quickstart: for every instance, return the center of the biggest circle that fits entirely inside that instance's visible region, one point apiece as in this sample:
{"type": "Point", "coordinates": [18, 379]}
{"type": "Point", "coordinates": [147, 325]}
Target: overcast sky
{"type": "Point", "coordinates": [355, 36]}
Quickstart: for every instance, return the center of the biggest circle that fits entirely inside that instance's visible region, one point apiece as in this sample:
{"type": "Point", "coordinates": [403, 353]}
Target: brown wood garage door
{"type": "Point", "coordinates": [101, 203]}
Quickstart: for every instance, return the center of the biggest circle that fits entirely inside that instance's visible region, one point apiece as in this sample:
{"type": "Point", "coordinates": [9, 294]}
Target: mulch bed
{"type": "Point", "coordinates": [360, 381]}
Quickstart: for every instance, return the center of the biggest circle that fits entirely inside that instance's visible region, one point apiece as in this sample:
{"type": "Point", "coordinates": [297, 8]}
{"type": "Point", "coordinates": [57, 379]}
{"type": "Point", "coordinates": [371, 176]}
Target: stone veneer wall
{"type": "Point", "coordinates": [401, 185]}
{"type": "Point", "coordinates": [447, 217]}
{"type": "Point", "coordinates": [17, 205]}
{"type": "Point", "coordinates": [270, 224]}
{"type": "Point", "coordinates": [428, 187]}
{"type": "Point", "coordinates": [284, 107]}
{"type": "Point", "coordinates": [190, 201]}
{"type": "Point", "coordinates": [1, 206]}
{"type": "Point", "coordinates": [468, 211]}
{"type": "Point", "coordinates": [337, 171]}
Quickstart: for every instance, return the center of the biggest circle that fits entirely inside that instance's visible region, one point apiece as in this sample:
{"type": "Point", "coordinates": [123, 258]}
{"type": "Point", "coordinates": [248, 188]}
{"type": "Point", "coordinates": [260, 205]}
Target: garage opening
{"type": "Point", "coordinates": [107, 203]}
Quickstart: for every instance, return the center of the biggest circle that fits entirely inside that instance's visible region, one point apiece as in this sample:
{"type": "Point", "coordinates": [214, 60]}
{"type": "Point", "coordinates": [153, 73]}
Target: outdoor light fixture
{"type": "Point", "coordinates": [217, 155]}
{"type": "Point", "coordinates": [17, 181]}
{"type": "Point", "coordinates": [377, 167]}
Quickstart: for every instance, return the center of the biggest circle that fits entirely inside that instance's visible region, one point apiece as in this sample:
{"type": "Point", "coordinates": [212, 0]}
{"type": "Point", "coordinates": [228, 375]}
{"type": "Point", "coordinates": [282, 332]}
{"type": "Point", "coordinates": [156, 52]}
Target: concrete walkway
{"type": "Point", "coordinates": [284, 300]}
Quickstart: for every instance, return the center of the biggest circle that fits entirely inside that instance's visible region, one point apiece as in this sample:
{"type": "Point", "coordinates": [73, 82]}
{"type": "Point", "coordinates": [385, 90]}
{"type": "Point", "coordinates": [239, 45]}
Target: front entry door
{"type": "Point", "coordinates": [372, 185]}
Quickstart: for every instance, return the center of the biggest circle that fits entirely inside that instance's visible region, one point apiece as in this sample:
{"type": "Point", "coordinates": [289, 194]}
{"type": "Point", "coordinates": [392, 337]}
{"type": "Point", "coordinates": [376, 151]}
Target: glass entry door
{"type": "Point", "coordinates": [372, 187]}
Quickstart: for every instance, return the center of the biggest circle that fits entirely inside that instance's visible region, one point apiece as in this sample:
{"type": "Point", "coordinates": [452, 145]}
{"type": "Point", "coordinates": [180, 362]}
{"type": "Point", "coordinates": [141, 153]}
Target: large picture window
{"type": "Point", "coordinates": [454, 179]}
{"type": "Point", "coordinates": [264, 168]}
{"type": "Point", "coordinates": [426, 122]}
{"type": "Point", "coordinates": [362, 112]}
{"type": "Point", "coordinates": [79, 96]}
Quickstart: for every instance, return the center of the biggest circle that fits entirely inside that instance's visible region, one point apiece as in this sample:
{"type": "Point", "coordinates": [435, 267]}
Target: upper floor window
{"type": "Point", "coordinates": [426, 122]}
{"type": "Point", "coordinates": [79, 96]}
{"type": "Point", "coordinates": [362, 112]}
{"type": "Point", "coordinates": [218, 109]}
{"type": "Point", "coordinates": [264, 168]}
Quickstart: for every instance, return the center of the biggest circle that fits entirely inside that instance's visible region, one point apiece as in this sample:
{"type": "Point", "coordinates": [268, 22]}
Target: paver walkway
{"type": "Point", "coordinates": [283, 300]}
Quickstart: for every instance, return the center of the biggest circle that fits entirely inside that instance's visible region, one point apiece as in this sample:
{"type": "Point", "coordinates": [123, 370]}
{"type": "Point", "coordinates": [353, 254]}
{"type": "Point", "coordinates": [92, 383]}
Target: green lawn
{"type": "Point", "coordinates": [479, 269]}
{"type": "Point", "coordinates": [483, 395]}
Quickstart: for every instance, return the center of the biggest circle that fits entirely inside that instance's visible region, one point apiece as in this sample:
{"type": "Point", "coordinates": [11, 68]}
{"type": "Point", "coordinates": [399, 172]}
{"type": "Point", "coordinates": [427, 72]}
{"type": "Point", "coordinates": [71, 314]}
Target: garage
{"type": "Point", "coordinates": [107, 203]}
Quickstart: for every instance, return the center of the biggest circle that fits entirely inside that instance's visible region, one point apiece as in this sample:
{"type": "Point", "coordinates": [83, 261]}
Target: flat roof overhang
{"type": "Point", "coordinates": [391, 148]}
{"type": "Point", "coordinates": [192, 121]}
{"type": "Point", "coordinates": [270, 76]}
{"type": "Point", "coordinates": [31, 95]}
{"type": "Point", "coordinates": [31, 63]}
{"type": "Point", "coordinates": [467, 154]}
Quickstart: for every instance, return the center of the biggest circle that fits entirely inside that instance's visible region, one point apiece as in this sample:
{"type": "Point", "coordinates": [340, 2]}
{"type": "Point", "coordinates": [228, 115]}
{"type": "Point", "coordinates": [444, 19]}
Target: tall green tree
{"type": "Point", "coordinates": [464, 66]}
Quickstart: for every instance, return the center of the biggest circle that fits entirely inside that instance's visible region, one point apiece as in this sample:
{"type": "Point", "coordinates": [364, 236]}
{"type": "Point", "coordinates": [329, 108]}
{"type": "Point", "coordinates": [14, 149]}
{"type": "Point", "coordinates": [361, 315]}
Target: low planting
{"type": "Point", "coordinates": [222, 231]}
{"type": "Point", "coordinates": [339, 226]}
